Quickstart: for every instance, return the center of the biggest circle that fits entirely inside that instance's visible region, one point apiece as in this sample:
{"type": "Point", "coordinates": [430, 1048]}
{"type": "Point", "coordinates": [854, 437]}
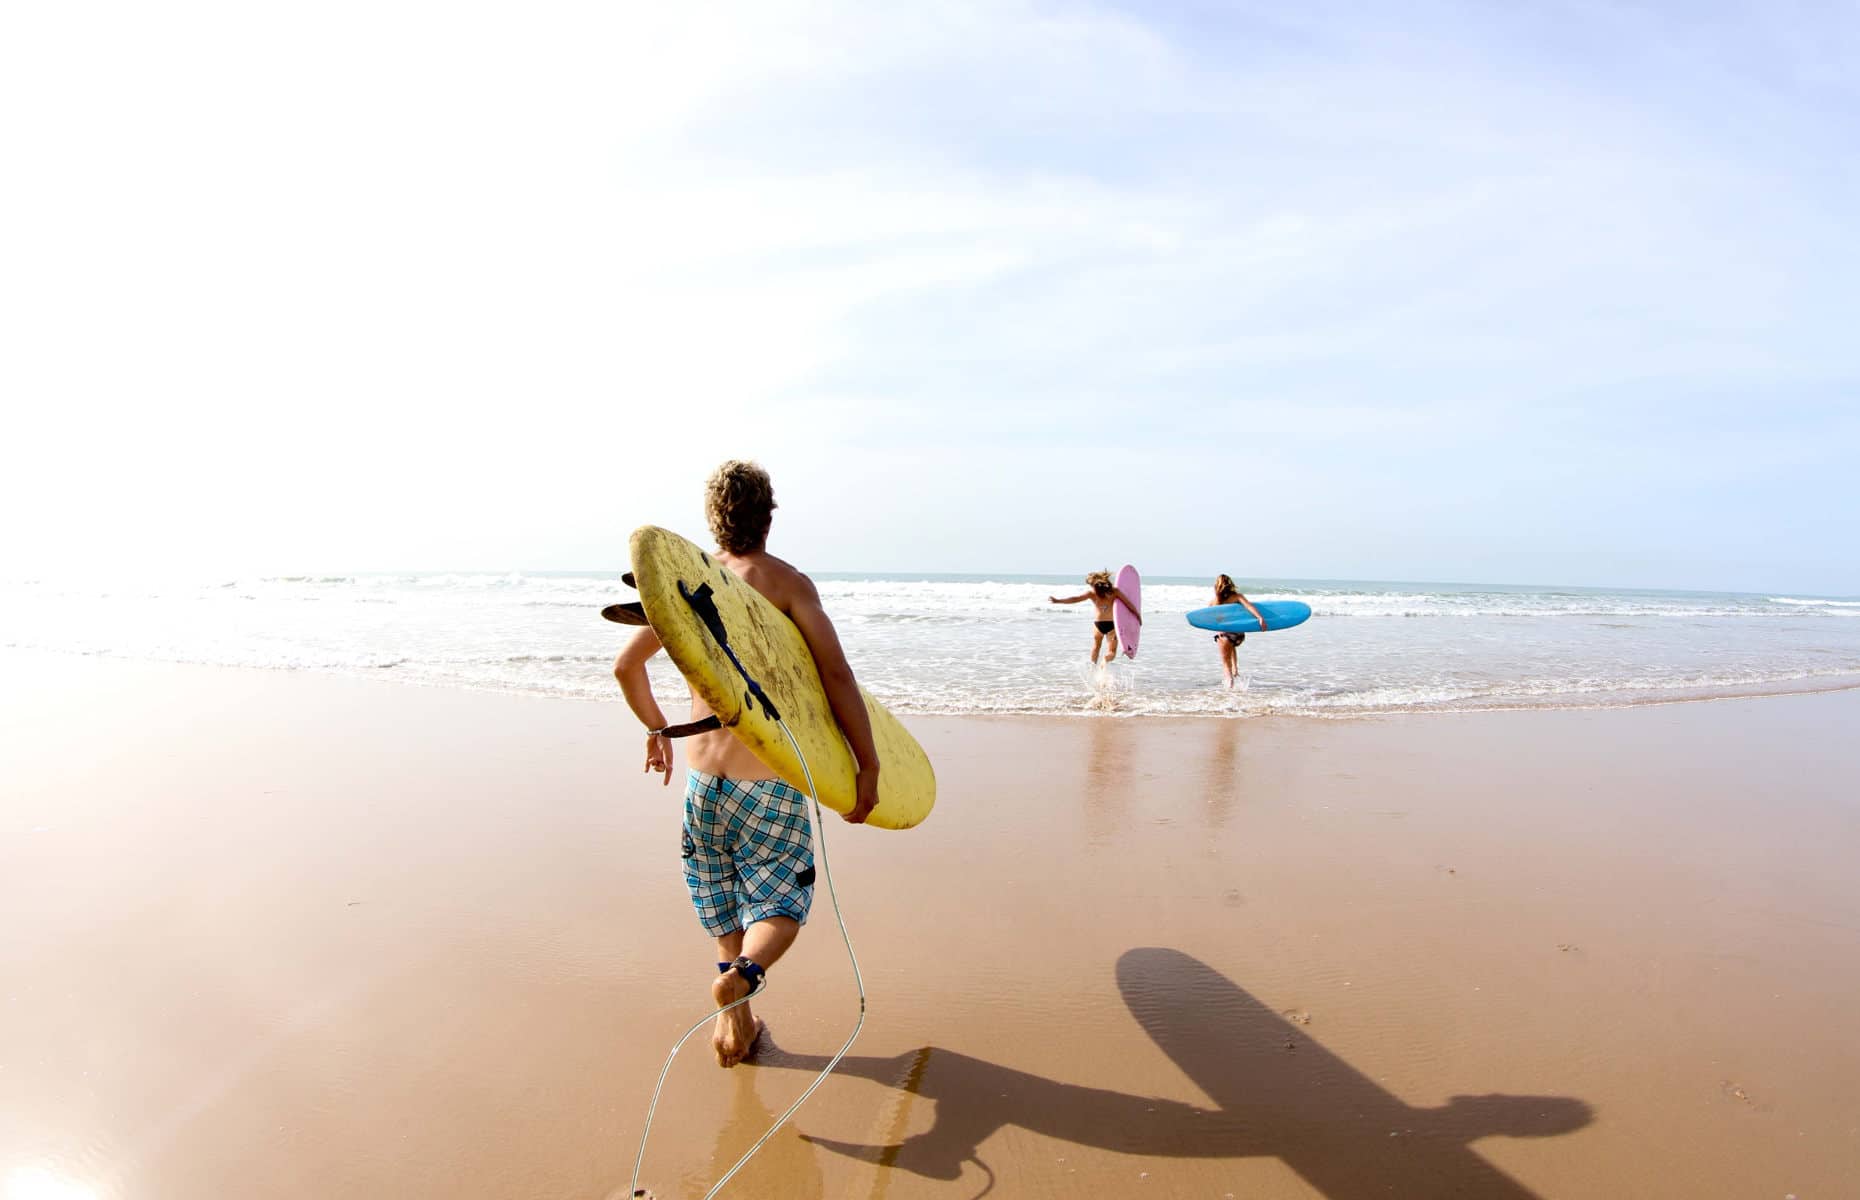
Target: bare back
{"type": "Point", "coordinates": [720, 752]}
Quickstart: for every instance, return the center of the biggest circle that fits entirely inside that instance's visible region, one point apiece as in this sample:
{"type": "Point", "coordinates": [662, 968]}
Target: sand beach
{"type": "Point", "coordinates": [276, 934]}
{"type": "Point", "coordinates": [1497, 350]}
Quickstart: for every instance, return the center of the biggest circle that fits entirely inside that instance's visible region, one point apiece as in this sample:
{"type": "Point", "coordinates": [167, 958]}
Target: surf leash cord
{"type": "Point", "coordinates": [706, 610]}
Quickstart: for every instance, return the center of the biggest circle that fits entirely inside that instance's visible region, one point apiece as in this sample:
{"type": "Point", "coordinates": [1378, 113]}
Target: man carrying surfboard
{"type": "Point", "coordinates": [748, 851]}
{"type": "Point", "coordinates": [1104, 596]}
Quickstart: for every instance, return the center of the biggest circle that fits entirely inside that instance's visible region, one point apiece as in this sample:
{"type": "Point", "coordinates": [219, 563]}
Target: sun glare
{"type": "Point", "coordinates": [37, 1183]}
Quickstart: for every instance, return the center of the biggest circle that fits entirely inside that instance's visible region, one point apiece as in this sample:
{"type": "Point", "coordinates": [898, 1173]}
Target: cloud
{"type": "Point", "coordinates": [410, 285]}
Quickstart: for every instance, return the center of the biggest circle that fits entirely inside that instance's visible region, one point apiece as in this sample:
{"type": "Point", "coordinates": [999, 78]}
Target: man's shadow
{"type": "Point", "coordinates": [1277, 1093]}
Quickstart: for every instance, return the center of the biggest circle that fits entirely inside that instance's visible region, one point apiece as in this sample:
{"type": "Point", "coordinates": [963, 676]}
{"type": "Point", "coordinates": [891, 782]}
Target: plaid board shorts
{"type": "Point", "coordinates": [748, 851]}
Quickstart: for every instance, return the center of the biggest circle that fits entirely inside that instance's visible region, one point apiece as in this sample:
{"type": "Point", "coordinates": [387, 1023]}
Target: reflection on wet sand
{"type": "Point", "coordinates": [1107, 782]}
{"type": "Point", "coordinates": [1278, 1093]}
{"type": "Point", "coordinates": [1222, 782]}
{"type": "Point", "coordinates": [783, 1157]}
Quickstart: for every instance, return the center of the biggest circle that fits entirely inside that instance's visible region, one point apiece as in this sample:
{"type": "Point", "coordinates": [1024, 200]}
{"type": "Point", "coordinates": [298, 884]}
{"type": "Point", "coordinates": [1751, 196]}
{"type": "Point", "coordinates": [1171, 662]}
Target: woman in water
{"type": "Point", "coordinates": [1104, 596]}
{"type": "Point", "coordinates": [1226, 593]}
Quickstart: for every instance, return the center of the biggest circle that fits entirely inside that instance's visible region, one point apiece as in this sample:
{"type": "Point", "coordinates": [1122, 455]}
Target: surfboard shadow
{"type": "Point", "coordinates": [1277, 1092]}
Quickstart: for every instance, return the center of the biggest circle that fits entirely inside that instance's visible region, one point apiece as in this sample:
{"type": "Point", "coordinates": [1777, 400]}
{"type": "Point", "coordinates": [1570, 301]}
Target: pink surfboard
{"type": "Point", "coordinates": [1131, 584]}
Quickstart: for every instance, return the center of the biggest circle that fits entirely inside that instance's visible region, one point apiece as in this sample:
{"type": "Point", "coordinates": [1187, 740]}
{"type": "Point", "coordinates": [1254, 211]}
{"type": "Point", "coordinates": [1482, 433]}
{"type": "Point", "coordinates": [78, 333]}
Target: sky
{"type": "Point", "coordinates": [1549, 293]}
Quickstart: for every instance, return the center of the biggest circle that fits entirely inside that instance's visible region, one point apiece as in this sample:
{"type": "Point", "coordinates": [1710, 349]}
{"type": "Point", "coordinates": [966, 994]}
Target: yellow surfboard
{"type": "Point", "coordinates": [773, 653]}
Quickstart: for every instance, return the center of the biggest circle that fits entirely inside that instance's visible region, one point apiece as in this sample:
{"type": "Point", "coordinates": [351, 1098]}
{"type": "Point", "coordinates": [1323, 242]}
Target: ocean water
{"type": "Point", "coordinates": [993, 644]}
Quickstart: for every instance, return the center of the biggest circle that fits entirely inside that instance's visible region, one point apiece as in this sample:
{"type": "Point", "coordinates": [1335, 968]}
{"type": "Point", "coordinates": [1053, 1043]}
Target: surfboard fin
{"type": "Point", "coordinates": [631, 612]}
{"type": "Point", "coordinates": [702, 725]}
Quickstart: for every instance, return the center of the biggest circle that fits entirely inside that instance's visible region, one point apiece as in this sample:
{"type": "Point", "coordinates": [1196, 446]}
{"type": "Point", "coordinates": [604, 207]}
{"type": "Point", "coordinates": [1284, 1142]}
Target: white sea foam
{"type": "Point", "coordinates": [1842, 607]}
{"type": "Point", "coordinates": [979, 645]}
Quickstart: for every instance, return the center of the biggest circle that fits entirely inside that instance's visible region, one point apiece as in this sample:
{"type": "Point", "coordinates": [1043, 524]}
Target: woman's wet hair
{"type": "Point", "coordinates": [1223, 588]}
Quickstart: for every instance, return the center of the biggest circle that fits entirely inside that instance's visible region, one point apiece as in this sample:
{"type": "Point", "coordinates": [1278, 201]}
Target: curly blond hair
{"type": "Point", "coordinates": [739, 503]}
{"type": "Point", "coordinates": [1099, 581]}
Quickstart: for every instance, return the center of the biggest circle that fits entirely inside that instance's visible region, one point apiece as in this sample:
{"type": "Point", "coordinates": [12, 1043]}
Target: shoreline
{"type": "Point", "coordinates": [1839, 681]}
{"type": "Point", "coordinates": [330, 937]}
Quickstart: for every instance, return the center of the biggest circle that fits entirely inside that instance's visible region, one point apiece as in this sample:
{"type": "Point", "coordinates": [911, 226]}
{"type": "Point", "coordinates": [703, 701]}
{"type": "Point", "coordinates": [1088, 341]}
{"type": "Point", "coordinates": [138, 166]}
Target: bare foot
{"type": "Point", "coordinates": [737, 1029]}
{"type": "Point", "coordinates": [755, 1040]}
{"type": "Point", "coordinates": [732, 1046]}
{"type": "Point", "coordinates": [719, 1037]}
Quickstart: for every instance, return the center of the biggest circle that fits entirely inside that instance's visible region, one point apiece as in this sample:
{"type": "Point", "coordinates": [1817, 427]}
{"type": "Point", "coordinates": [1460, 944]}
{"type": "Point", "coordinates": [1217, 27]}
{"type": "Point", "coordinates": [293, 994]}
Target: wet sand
{"type": "Point", "coordinates": [287, 935]}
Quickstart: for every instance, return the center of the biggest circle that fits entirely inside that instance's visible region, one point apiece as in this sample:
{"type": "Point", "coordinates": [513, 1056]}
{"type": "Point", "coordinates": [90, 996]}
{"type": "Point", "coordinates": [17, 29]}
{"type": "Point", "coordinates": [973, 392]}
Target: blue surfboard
{"type": "Point", "coordinates": [1234, 618]}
